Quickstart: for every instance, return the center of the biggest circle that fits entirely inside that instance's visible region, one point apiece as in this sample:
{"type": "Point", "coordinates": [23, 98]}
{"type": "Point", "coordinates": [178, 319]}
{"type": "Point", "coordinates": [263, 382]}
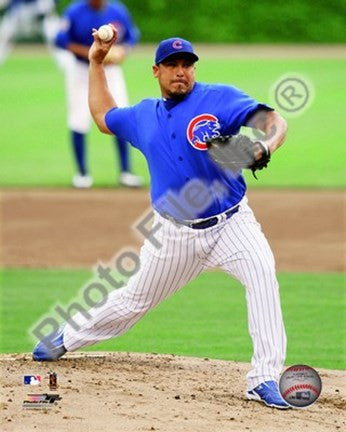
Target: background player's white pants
{"type": "Point", "coordinates": [77, 79]}
{"type": "Point", "coordinates": [236, 245]}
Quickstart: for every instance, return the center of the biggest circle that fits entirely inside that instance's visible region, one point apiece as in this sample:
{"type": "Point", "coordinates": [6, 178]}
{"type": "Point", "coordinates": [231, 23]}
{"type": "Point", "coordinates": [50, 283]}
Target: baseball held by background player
{"type": "Point", "coordinates": [171, 133]}
{"type": "Point", "coordinates": [75, 36]}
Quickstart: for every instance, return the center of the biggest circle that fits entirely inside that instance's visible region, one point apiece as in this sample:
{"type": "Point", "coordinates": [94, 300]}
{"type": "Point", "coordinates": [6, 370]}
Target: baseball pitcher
{"type": "Point", "coordinates": [190, 139]}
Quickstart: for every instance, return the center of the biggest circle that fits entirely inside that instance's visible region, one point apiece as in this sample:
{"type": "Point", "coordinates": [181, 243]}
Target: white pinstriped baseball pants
{"type": "Point", "coordinates": [236, 245]}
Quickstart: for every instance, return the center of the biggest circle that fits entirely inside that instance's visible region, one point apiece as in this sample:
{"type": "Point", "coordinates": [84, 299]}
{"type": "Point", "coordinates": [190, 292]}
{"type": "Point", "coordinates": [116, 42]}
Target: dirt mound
{"type": "Point", "coordinates": [123, 392]}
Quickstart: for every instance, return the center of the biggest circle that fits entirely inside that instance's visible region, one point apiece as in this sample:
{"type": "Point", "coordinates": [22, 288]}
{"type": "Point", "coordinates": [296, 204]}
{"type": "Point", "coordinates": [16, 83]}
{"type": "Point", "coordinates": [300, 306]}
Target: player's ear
{"type": "Point", "coordinates": [156, 71]}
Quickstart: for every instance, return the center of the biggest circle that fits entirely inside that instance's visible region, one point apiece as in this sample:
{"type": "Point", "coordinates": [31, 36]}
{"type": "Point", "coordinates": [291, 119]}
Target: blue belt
{"type": "Point", "coordinates": [206, 223]}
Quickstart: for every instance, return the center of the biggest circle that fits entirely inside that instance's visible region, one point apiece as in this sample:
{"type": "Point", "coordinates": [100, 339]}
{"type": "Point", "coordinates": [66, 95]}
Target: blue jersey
{"type": "Point", "coordinates": [172, 139]}
{"type": "Point", "coordinates": [80, 18]}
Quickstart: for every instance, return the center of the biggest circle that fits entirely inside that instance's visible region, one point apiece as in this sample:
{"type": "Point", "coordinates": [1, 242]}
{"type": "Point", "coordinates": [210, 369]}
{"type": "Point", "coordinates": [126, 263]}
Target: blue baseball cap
{"type": "Point", "coordinates": [173, 46]}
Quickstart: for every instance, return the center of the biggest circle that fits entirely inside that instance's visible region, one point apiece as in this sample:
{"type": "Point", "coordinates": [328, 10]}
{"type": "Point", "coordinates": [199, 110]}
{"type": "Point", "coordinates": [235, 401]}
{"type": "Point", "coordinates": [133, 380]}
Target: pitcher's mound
{"type": "Point", "coordinates": [122, 392]}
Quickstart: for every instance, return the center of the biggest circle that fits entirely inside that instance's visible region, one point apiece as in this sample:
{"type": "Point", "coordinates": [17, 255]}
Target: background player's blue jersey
{"type": "Point", "coordinates": [172, 138]}
{"type": "Point", "coordinates": [80, 18]}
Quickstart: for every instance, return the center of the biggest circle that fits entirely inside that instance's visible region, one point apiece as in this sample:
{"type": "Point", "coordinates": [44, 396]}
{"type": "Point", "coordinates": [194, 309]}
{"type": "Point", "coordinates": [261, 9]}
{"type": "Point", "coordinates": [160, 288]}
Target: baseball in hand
{"type": "Point", "coordinates": [105, 33]}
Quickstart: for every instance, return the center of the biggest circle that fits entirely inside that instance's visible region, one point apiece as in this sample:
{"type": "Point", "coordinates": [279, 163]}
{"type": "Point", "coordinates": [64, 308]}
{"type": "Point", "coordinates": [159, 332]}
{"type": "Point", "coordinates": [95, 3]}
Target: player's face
{"type": "Point", "coordinates": [96, 4]}
{"type": "Point", "coordinates": [176, 76]}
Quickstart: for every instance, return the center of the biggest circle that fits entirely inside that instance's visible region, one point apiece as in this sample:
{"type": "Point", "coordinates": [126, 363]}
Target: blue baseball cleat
{"type": "Point", "coordinates": [268, 393]}
{"type": "Point", "coordinates": [50, 347]}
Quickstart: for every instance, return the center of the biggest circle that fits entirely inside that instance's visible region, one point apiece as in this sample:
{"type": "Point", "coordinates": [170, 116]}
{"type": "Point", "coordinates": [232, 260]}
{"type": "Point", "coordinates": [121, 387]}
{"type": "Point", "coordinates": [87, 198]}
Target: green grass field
{"type": "Point", "coordinates": [35, 149]}
{"type": "Point", "coordinates": [207, 318]}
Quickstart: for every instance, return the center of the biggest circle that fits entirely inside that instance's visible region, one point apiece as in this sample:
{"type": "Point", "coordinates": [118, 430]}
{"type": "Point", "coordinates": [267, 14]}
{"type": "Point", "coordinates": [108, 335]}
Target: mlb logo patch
{"type": "Point", "coordinates": [32, 379]}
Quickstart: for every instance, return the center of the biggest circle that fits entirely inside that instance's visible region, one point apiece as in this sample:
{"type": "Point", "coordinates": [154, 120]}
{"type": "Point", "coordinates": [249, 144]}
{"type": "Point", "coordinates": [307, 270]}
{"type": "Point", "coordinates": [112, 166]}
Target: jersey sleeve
{"type": "Point", "coordinates": [122, 123]}
{"type": "Point", "coordinates": [238, 108]}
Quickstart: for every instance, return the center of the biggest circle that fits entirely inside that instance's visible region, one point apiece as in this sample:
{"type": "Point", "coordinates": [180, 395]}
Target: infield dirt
{"type": "Point", "coordinates": [121, 392]}
{"type": "Point", "coordinates": [71, 228]}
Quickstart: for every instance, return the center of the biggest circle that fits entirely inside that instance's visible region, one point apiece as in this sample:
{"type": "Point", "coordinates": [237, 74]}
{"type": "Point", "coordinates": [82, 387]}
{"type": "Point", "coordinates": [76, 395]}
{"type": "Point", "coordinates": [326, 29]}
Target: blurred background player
{"type": "Point", "coordinates": [27, 18]}
{"type": "Point", "coordinates": [75, 35]}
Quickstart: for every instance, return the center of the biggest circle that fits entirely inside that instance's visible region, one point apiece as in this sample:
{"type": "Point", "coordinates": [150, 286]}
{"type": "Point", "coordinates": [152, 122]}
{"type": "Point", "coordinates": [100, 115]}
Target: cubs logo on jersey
{"type": "Point", "coordinates": [201, 128]}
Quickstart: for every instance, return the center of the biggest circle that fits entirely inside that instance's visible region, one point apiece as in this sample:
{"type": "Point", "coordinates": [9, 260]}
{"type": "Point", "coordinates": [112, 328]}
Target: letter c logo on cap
{"type": "Point", "coordinates": [177, 44]}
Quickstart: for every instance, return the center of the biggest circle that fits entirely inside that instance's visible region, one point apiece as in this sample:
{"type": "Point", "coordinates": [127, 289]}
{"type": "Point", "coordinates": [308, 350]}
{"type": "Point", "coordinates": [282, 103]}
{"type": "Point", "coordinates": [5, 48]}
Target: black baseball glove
{"type": "Point", "coordinates": [236, 152]}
